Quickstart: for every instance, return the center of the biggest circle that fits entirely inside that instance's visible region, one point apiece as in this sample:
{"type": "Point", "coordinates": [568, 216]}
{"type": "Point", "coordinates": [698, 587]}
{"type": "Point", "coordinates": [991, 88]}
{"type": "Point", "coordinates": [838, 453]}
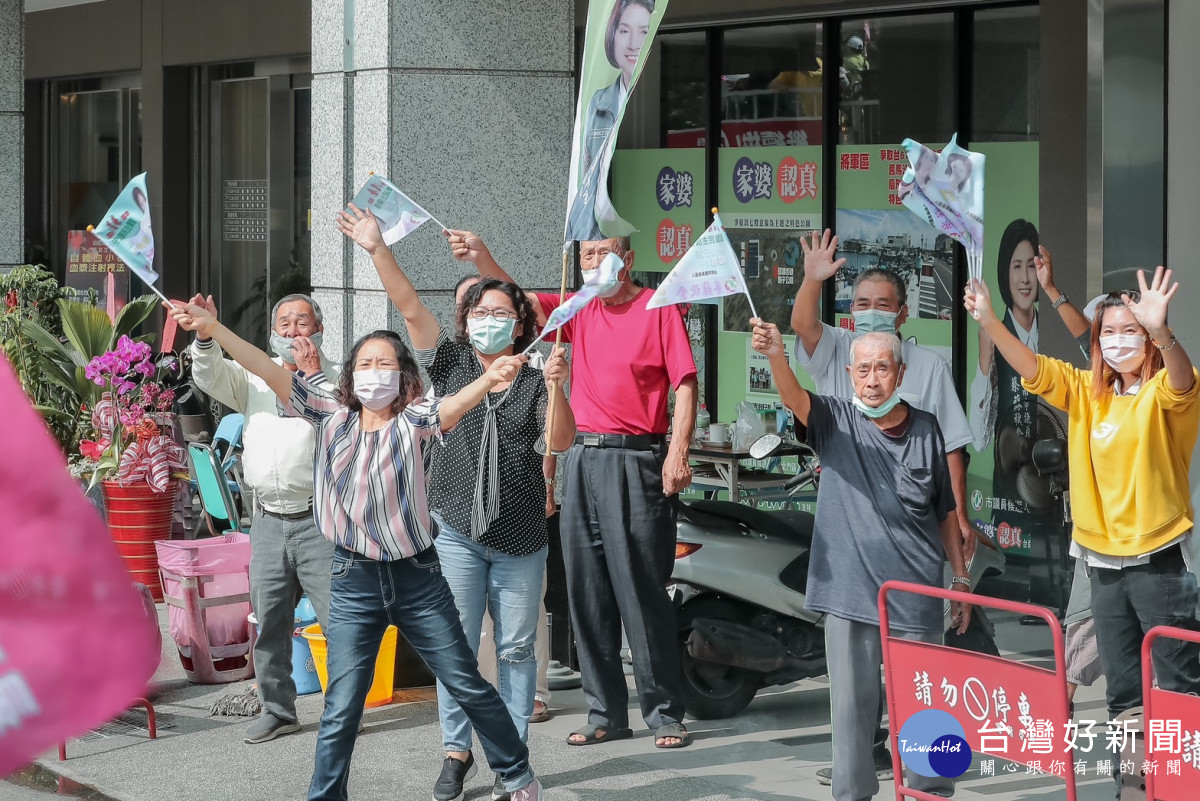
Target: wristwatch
{"type": "Point", "coordinates": [1060, 300]}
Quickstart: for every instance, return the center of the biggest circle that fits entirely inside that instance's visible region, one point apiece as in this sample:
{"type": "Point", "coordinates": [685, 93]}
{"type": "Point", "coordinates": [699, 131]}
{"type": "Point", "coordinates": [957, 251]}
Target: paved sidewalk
{"type": "Point", "coordinates": [771, 751]}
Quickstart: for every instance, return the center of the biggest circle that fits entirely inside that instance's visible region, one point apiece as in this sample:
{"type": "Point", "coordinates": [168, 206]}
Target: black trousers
{"type": "Point", "coordinates": [618, 540]}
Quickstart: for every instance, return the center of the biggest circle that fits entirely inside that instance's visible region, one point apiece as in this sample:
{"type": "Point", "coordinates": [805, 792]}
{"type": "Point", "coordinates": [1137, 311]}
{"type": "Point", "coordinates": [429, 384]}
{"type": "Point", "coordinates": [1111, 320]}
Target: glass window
{"type": "Point", "coordinates": [1005, 90]}
{"type": "Point", "coordinates": [99, 149]}
{"type": "Point", "coordinates": [771, 86]}
{"type": "Point", "coordinates": [897, 79]}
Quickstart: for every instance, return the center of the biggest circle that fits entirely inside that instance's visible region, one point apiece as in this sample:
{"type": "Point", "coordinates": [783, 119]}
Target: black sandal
{"type": "Point", "coordinates": [675, 730]}
{"type": "Point", "coordinates": [591, 734]}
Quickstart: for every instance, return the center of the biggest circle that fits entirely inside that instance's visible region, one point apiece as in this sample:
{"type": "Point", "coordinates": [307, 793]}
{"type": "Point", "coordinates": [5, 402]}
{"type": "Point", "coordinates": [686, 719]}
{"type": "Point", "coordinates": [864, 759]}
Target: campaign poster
{"type": "Point", "coordinates": [89, 261]}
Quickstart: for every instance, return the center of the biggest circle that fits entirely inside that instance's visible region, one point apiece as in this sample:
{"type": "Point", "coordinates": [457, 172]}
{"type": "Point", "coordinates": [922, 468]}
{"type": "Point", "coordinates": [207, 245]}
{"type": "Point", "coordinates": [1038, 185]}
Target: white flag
{"type": "Point", "coordinates": [710, 269]}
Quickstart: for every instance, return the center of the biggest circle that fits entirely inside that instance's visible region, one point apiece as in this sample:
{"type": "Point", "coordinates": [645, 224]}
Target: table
{"type": "Point", "coordinates": [717, 466]}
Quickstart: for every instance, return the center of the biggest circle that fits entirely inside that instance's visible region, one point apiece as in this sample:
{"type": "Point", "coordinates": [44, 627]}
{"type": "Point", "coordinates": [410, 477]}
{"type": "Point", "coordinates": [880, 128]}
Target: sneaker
{"type": "Point", "coordinates": [883, 769]}
{"type": "Point", "coordinates": [498, 791]}
{"type": "Point", "coordinates": [530, 792]}
{"type": "Point", "coordinates": [449, 786]}
{"type": "Point", "coordinates": [268, 727]}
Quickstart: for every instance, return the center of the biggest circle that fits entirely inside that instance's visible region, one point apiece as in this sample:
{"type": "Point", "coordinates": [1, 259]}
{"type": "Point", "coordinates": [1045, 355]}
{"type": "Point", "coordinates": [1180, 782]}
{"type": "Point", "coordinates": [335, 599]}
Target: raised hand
{"type": "Point", "coordinates": [504, 369]}
{"type": "Point", "coordinates": [556, 368]}
{"type": "Point", "coordinates": [1045, 270]}
{"type": "Point", "coordinates": [192, 317]}
{"type": "Point", "coordinates": [1151, 309]}
{"type": "Point", "coordinates": [308, 358]}
{"type": "Point", "coordinates": [818, 256]}
{"type": "Point", "coordinates": [362, 227]}
{"type": "Point", "coordinates": [465, 245]}
{"type": "Point", "coordinates": [765, 338]}
{"type": "Point", "coordinates": [978, 302]}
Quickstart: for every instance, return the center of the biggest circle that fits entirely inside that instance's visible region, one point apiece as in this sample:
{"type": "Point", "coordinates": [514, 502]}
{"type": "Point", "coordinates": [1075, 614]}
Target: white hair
{"type": "Point", "coordinates": [879, 339]}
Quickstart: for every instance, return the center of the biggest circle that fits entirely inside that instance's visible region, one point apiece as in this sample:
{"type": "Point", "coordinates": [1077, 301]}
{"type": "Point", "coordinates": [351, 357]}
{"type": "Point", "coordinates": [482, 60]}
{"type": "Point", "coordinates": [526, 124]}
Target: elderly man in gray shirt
{"type": "Point", "coordinates": [884, 511]}
{"type": "Point", "coordinates": [288, 557]}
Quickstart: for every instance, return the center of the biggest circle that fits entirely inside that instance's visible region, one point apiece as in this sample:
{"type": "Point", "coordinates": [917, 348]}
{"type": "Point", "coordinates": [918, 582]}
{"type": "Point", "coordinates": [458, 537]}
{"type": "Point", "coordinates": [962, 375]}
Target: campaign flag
{"type": "Point", "coordinates": [946, 190]}
{"type": "Point", "coordinates": [709, 269]}
{"type": "Point", "coordinates": [616, 44]}
{"type": "Point", "coordinates": [63, 592]}
{"type": "Point", "coordinates": [398, 214]}
{"type": "Point", "coordinates": [125, 229]}
{"type": "Point", "coordinates": [604, 280]}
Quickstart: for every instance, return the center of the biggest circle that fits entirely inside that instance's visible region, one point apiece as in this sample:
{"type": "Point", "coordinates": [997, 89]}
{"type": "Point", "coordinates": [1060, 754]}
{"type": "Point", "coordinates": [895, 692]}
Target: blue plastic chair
{"type": "Point", "coordinates": [213, 486]}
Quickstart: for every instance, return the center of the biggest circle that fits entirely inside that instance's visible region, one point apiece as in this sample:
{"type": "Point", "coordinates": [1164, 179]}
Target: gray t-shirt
{"type": "Point", "coordinates": [879, 511]}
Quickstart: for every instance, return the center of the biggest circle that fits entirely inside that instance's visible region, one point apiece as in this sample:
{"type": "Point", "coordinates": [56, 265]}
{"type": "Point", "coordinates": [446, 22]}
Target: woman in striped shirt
{"type": "Point", "coordinates": [373, 448]}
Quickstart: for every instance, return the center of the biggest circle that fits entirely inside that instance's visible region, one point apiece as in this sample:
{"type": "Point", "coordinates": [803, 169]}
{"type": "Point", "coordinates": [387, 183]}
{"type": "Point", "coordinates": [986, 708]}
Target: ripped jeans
{"type": "Point", "coordinates": [511, 586]}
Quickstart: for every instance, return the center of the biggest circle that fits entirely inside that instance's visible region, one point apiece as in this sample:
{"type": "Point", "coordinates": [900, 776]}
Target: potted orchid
{"type": "Point", "coordinates": [132, 445]}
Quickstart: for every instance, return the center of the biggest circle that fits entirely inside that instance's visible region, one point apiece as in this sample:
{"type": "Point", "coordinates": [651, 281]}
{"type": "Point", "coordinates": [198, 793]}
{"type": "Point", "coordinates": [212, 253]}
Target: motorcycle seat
{"type": "Point", "coordinates": [790, 525]}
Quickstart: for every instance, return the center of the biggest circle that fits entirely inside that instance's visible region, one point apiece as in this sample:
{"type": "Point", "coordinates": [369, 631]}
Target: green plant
{"type": "Point", "coordinates": [30, 294]}
{"type": "Point", "coordinates": [62, 361]}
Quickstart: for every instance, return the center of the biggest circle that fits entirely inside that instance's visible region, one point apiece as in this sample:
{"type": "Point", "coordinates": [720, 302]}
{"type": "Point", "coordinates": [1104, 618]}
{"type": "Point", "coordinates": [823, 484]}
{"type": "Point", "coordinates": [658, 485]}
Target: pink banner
{"type": "Point", "coordinates": [76, 645]}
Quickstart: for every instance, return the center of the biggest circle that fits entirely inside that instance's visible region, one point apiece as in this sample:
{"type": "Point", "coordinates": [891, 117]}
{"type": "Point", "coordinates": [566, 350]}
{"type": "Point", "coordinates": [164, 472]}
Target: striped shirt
{"type": "Point", "coordinates": [370, 487]}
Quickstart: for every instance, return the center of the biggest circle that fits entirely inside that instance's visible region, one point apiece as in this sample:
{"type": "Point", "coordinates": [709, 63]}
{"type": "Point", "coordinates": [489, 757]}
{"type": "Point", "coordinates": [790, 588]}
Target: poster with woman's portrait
{"type": "Point", "coordinates": [617, 43]}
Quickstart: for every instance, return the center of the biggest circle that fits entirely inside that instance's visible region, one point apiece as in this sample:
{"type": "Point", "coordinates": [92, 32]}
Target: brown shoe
{"type": "Point", "coordinates": [541, 712]}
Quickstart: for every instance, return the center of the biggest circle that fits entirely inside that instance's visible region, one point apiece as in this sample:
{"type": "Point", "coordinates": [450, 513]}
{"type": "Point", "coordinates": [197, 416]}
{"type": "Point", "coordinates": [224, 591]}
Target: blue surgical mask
{"type": "Point", "coordinates": [873, 321]}
{"type": "Point", "coordinates": [490, 335]}
{"type": "Point", "coordinates": [283, 345]}
{"type": "Point", "coordinates": [883, 408]}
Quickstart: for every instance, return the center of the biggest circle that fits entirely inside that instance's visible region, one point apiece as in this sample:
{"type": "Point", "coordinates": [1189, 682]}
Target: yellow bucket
{"type": "Point", "coordinates": [382, 685]}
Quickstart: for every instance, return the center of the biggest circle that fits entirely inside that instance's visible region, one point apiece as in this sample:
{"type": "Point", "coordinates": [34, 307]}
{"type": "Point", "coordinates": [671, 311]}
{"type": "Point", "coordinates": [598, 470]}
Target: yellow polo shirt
{"type": "Point", "coordinates": [1129, 458]}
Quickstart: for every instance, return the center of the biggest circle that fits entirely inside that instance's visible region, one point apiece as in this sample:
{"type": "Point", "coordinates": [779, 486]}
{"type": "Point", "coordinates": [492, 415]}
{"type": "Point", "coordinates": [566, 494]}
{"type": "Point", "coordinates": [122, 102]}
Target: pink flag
{"type": "Point", "coordinates": [76, 646]}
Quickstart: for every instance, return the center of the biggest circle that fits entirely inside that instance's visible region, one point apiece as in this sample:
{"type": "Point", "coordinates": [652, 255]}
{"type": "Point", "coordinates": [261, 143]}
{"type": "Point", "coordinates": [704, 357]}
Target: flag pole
{"type": "Point", "coordinates": [551, 406]}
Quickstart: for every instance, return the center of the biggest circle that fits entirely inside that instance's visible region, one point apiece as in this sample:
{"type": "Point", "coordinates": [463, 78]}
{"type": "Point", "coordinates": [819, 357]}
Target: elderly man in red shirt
{"type": "Point", "coordinates": [618, 511]}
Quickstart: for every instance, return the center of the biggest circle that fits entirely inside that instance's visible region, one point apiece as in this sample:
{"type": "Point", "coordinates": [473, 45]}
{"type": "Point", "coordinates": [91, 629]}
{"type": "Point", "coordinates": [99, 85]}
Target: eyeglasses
{"type": "Point", "coordinates": [479, 312]}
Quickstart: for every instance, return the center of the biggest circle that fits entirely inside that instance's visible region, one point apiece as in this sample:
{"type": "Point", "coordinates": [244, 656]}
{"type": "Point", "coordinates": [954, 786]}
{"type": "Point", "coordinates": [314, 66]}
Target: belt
{"type": "Point", "coordinates": [289, 515]}
{"type": "Point", "coordinates": [633, 442]}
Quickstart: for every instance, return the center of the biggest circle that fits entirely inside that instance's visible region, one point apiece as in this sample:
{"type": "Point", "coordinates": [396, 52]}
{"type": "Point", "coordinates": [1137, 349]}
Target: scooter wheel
{"type": "Point", "coordinates": [710, 690]}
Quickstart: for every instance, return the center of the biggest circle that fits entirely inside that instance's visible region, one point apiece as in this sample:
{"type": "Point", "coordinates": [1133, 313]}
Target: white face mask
{"type": "Point", "coordinates": [1123, 352]}
{"type": "Point", "coordinates": [593, 276]}
{"type": "Point", "coordinates": [874, 321]}
{"type": "Point", "coordinates": [376, 389]}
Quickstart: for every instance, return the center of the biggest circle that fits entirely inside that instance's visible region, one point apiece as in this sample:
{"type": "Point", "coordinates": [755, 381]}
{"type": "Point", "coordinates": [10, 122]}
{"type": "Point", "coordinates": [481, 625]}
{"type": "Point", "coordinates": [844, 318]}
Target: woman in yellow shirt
{"type": "Point", "coordinates": [1133, 420]}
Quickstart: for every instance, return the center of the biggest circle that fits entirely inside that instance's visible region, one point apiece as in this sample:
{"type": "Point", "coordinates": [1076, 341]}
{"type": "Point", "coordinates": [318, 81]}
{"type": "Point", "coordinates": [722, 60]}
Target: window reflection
{"type": "Point", "coordinates": [897, 79]}
{"type": "Point", "coordinates": [771, 92]}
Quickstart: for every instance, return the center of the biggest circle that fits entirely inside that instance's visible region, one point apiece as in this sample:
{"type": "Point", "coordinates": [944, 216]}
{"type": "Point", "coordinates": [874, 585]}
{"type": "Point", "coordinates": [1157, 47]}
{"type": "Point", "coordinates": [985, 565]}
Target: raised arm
{"type": "Point", "coordinates": [1074, 320]}
{"type": "Point", "coordinates": [767, 340]}
{"type": "Point", "coordinates": [978, 302]}
{"type": "Point", "coordinates": [819, 266]}
{"type": "Point", "coordinates": [468, 247]}
{"type": "Point", "coordinates": [193, 317]}
{"type": "Point", "coordinates": [556, 374]}
{"type": "Point", "coordinates": [363, 228]}
{"type": "Point", "coordinates": [1151, 313]}
{"type": "Point", "coordinates": [502, 371]}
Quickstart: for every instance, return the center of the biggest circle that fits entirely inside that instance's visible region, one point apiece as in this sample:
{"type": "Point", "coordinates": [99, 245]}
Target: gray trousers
{"type": "Point", "coordinates": [288, 558]}
{"type": "Point", "coordinates": [618, 541]}
{"type": "Point", "coordinates": [854, 653]}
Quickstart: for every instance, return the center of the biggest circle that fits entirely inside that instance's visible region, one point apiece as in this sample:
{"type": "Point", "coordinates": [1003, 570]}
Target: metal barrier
{"type": "Point", "coordinates": [1182, 738]}
{"type": "Point", "coordinates": [978, 690]}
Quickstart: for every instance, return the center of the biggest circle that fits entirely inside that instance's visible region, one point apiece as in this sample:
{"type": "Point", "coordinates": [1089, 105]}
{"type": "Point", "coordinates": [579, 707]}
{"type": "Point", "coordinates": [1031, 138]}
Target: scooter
{"type": "Point", "coordinates": [739, 587]}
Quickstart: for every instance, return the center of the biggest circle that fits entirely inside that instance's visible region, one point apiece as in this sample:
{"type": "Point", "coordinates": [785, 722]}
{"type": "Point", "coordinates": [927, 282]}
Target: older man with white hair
{"type": "Point", "coordinates": [288, 557]}
{"type": "Point", "coordinates": [884, 512]}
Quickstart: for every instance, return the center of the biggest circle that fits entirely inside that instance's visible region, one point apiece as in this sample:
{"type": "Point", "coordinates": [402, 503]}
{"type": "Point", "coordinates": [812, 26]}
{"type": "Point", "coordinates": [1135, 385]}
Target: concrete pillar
{"type": "Point", "coordinates": [12, 132]}
{"type": "Point", "coordinates": [467, 106]}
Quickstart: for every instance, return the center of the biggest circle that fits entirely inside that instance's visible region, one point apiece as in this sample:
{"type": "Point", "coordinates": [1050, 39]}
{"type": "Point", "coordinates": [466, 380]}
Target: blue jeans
{"type": "Point", "coordinates": [411, 594]}
{"type": "Point", "coordinates": [511, 586]}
